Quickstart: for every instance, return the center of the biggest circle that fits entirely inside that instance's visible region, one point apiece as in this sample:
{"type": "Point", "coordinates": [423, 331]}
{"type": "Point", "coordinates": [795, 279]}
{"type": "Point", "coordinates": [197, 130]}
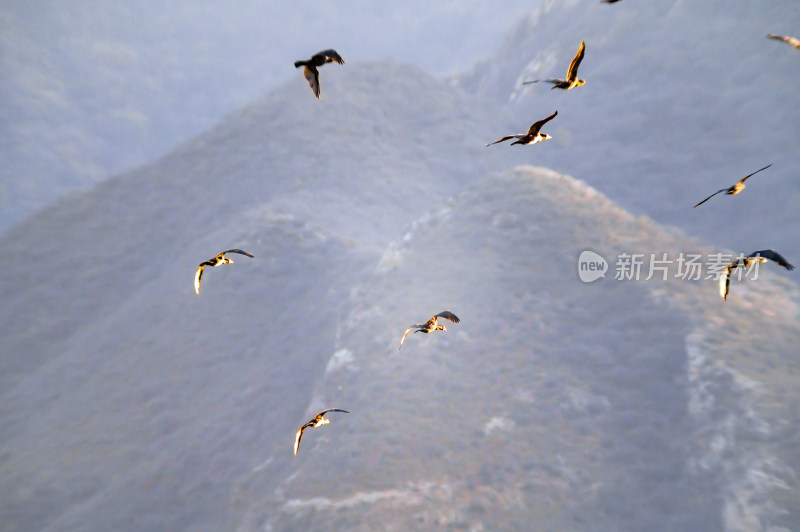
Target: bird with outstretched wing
{"type": "Point", "coordinates": [572, 80]}
{"type": "Point", "coordinates": [216, 261]}
{"type": "Point", "coordinates": [533, 135]}
{"type": "Point", "coordinates": [310, 67]}
{"type": "Point", "coordinates": [318, 421]}
{"type": "Point", "coordinates": [735, 189]}
{"type": "Point", "coordinates": [430, 325]}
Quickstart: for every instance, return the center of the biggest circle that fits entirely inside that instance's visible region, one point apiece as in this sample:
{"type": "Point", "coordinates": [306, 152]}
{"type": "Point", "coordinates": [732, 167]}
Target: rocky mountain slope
{"type": "Point", "coordinates": [93, 89]}
{"type": "Point", "coordinates": [681, 99]}
{"type": "Point", "coordinates": [619, 405]}
{"type": "Point", "coordinates": [130, 403]}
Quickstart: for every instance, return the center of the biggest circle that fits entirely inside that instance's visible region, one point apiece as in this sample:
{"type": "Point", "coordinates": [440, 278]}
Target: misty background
{"type": "Point", "coordinates": [141, 139]}
{"type": "Point", "coordinates": [91, 89]}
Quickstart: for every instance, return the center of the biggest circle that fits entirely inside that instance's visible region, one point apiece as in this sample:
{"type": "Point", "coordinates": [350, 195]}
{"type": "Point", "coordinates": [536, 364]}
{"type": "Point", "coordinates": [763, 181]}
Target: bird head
{"type": "Point", "coordinates": [441, 328]}
{"type": "Point", "coordinates": [580, 82]}
{"type": "Point", "coordinates": [226, 260]}
{"type": "Point", "coordinates": [545, 136]}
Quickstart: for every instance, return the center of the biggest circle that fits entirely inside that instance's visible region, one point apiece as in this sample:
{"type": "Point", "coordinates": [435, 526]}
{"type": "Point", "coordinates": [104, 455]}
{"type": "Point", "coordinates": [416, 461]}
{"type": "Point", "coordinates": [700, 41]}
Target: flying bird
{"type": "Point", "coordinates": [532, 136]}
{"type": "Point", "coordinates": [430, 325]}
{"type": "Point", "coordinates": [746, 262]}
{"type": "Point", "coordinates": [317, 60]}
{"type": "Point", "coordinates": [608, 1]}
{"type": "Point", "coordinates": [572, 80]}
{"type": "Point", "coordinates": [216, 261]}
{"type": "Point", "coordinates": [735, 189]}
{"type": "Point", "coordinates": [318, 421]}
{"type": "Point", "coordinates": [794, 41]}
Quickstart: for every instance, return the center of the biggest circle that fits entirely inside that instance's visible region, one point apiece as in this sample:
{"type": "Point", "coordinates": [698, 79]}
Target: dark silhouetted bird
{"type": "Point", "coordinates": [430, 325]}
{"type": "Point", "coordinates": [746, 262]}
{"type": "Point", "coordinates": [532, 136]}
{"type": "Point", "coordinates": [216, 261]}
{"type": "Point", "coordinates": [735, 189]}
{"type": "Point", "coordinates": [317, 60]}
{"type": "Point", "coordinates": [609, 1]}
{"type": "Point", "coordinates": [318, 421]}
{"type": "Point", "coordinates": [572, 80]}
{"type": "Point", "coordinates": [794, 41]}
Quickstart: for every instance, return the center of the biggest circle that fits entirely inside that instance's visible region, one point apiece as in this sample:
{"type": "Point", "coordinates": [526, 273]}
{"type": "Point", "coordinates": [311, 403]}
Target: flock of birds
{"type": "Point", "coordinates": [532, 136]}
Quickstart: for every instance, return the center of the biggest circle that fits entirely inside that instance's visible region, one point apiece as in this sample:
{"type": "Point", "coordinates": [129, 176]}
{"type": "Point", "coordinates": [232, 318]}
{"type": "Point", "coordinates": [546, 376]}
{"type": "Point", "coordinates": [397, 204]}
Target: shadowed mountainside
{"type": "Point", "coordinates": [129, 403]}
{"type": "Point", "coordinates": [106, 350]}
{"type": "Point", "coordinates": [91, 89]}
{"type": "Point", "coordinates": [611, 406]}
{"type": "Point", "coordinates": [681, 99]}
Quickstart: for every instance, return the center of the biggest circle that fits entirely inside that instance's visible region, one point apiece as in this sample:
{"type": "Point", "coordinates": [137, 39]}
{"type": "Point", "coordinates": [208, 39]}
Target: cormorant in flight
{"type": "Point", "coordinates": [735, 189]}
{"type": "Point", "coordinates": [216, 261]}
{"type": "Point", "coordinates": [572, 80]}
{"type": "Point", "coordinates": [532, 136]}
{"type": "Point", "coordinates": [317, 60]}
{"type": "Point", "coordinates": [430, 325]}
{"type": "Point", "coordinates": [318, 421]}
{"type": "Point", "coordinates": [749, 260]}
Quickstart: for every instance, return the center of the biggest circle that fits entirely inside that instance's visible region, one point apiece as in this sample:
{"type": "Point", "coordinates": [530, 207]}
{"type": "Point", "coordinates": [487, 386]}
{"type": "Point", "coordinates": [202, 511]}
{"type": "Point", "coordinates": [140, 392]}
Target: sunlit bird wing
{"type": "Point", "coordinates": [724, 282]}
{"type": "Point", "coordinates": [572, 72]}
{"type": "Point", "coordinates": [403, 339]}
{"type": "Point", "coordinates": [198, 274]}
{"type": "Point", "coordinates": [297, 438]}
{"type": "Point", "coordinates": [794, 41]}
{"type": "Point", "coordinates": [742, 180]}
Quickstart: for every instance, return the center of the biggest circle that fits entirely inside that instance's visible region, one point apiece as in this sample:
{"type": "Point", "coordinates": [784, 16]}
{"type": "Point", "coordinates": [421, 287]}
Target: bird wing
{"type": "Point", "coordinates": [239, 251]}
{"type": "Point", "coordinates": [446, 314]}
{"type": "Point", "coordinates": [507, 137]}
{"type": "Point", "coordinates": [711, 196]}
{"type": "Point", "coordinates": [403, 339]}
{"type": "Point", "coordinates": [328, 56]}
{"type": "Point", "coordinates": [742, 180]}
{"type": "Point", "coordinates": [297, 438]}
{"type": "Point", "coordinates": [794, 41]}
{"type": "Point", "coordinates": [312, 76]}
{"type": "Point", "coordinates": [198, 274]}
{"type": "Point", "coordinates": [572, 71]}
{"type": "Point", "coordinates": [537, 126]}
{"type": "Point", "coordinates": [545, 80]}
{"type": "Point", "coordinates": [332, 410]}
{"type": "Point", "coordinates": [772, 255]}
{"type": "Point", "coordinates": [725, 282]}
